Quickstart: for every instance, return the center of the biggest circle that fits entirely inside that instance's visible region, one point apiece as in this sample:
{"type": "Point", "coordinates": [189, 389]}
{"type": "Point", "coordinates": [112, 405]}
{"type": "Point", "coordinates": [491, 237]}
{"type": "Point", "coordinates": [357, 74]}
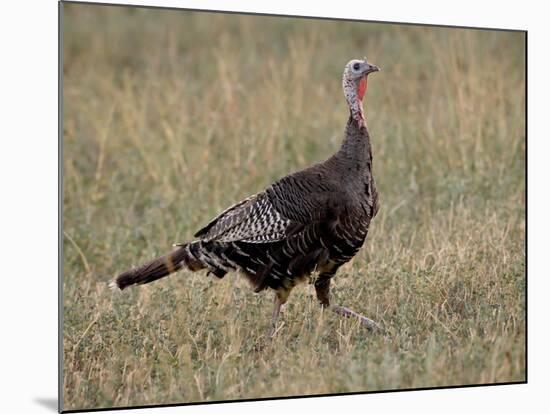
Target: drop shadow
{"type": "Point", "coordinates": [49, 403]}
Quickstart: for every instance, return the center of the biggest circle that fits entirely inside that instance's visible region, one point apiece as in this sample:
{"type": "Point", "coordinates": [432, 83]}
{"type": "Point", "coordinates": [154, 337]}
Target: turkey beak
{"type": "Point", "coordinates": [371, 68]}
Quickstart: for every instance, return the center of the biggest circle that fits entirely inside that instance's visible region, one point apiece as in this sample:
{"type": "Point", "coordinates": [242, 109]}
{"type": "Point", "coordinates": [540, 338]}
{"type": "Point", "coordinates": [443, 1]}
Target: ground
{"type": "Point", "coordinates": [169, 117]}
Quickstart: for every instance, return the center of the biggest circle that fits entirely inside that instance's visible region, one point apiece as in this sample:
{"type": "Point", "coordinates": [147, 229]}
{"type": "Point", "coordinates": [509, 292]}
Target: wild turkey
{"type": "Point", "coordinates": [311, 221]}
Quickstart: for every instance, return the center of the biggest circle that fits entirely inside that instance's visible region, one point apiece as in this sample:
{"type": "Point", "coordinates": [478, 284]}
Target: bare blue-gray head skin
{"type": "Point", "coordinates": [354, 82]}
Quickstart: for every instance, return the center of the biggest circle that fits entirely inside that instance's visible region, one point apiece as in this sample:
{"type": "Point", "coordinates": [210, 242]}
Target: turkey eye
{"type": "Point", "coordinates": [356, 66]}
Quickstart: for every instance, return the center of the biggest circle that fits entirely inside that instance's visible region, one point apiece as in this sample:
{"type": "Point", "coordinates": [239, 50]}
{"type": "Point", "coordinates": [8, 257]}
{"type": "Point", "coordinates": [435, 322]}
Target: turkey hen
{"type": "Point", "coordinates": [309, 222]}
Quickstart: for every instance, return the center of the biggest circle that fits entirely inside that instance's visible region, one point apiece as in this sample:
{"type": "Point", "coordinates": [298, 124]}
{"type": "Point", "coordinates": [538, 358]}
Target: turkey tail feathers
{"type": "Point", "coordinates": [155, 269]}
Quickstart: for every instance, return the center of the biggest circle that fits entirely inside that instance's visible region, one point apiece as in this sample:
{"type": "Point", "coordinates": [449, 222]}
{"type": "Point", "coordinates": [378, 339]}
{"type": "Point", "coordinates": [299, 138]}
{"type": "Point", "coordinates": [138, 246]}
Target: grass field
{"type": "Point", "coordinates": [169, 117]}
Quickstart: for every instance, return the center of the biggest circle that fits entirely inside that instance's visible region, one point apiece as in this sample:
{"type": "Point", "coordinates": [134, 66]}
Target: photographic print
{"type": "Point", "coordinates": [260, 206]}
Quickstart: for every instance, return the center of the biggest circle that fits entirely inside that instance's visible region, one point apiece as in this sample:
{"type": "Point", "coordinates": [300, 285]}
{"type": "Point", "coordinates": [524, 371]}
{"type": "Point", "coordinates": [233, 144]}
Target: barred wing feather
{"type": "Point", "coordinates": [253, 220]}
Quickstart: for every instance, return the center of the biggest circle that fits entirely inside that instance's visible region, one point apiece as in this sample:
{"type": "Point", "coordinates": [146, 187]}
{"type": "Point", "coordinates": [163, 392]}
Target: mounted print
{"type": "Point", "coordinates": [259, 207]}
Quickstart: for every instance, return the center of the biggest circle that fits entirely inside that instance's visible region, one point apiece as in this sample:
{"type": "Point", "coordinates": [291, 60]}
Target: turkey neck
{"type": "Point", "coordinates": [356, 149]}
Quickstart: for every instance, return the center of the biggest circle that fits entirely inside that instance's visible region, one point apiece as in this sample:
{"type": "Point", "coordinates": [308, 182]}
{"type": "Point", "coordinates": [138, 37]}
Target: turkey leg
{"type": "Point", "coordinates": [322, 288]}
{"type": "Point", "coordinates": [278, 303]}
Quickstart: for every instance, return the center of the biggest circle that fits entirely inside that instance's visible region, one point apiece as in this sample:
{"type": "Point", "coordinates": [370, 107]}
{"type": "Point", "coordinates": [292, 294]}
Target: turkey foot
{"type": "Point", "coordinates": [348, 313]}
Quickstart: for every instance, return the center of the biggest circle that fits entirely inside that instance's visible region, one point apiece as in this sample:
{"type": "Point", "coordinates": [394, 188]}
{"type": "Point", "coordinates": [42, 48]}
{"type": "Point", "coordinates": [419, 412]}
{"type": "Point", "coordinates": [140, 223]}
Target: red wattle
{"type": "Point", "coordinates": [362, 89]}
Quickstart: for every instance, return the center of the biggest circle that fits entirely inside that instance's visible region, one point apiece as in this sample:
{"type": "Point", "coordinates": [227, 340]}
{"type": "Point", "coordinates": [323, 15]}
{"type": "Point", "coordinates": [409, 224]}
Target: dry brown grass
{"type": "Point", "coordinates": [171, 116]}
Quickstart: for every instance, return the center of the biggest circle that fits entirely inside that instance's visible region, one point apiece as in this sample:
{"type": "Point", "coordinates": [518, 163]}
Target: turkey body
{"type": "Point", "coordinates": [311, 221]}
